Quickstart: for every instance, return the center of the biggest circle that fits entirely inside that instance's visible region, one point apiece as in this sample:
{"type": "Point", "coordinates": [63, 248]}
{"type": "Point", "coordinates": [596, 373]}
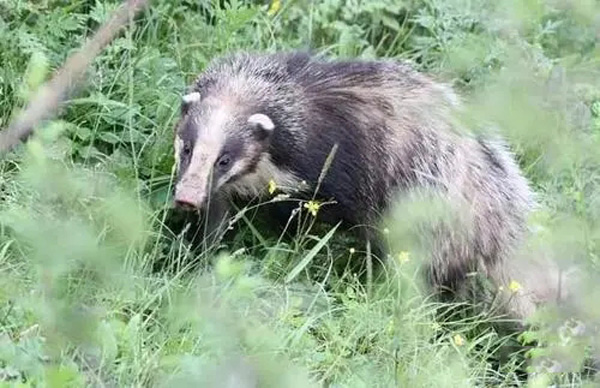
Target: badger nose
{"type": "Point", "coordinates": [188, 198]}
{"type": "Point", "coordinates": [185, 204]}
{"type": "Point", "coordinates": [185, 201]}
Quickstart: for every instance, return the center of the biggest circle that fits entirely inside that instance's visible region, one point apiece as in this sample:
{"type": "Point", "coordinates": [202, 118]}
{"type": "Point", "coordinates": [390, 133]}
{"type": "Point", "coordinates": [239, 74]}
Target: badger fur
{"type": "Point", "coordinates": [252, 118]}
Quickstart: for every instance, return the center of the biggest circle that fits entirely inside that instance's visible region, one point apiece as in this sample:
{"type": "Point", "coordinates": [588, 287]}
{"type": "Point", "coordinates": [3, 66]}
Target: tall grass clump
{"type": "Point", "coordinates": [101, 286]}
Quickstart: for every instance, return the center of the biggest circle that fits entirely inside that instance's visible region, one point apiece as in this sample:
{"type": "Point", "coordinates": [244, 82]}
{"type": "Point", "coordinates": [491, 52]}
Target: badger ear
{"type": "Point", "coordinates": [262, 125]}
{"type": "Point", "coordinates": [189, 99]}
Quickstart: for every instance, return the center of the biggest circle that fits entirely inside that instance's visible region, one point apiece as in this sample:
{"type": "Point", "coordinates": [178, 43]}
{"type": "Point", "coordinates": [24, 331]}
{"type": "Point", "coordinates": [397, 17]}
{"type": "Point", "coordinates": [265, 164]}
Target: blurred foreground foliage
{"type": "Point", "coordinates": [83, 217]}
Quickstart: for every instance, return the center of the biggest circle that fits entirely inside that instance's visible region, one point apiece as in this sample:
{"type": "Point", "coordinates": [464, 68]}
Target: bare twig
{"type": "Point", "coordinates": [53, 93]}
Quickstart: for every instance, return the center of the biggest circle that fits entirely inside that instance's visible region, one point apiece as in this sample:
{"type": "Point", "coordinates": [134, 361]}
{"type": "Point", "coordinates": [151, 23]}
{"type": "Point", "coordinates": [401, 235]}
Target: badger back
{"type": "Point", "coordinates": [390, 124]}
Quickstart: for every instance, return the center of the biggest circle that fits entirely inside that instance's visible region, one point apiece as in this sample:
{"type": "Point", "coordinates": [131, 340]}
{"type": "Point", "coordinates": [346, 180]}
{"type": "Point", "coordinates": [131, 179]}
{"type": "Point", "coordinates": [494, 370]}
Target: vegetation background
{"type": "Point", "coordinates": [98, 286]}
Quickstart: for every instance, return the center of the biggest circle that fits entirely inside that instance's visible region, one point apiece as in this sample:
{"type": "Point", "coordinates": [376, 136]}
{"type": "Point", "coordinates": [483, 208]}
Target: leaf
{"type": "Point", "coordinates": [37, 70]}
{"type": "Point", "coordinates": [161, 196]}
{"type": "Point", "coordinates": [528, 337]}
{"type": "Point", "coordinates": [90, 152]}
{"type": "Point", "coordinates": [35, 74]}
{"type": "Point", "coordinates": [131, 333]}
{"type": "Point", "coordinates": [390, 22]}
{"type": "Point", "coordinates": [310, 255]}
{"type": "Point", "coordinates": [63, 376]}
{"type": "Point", "coordinates": [83, 133]}
{"type": "Point", "coordinates": [109, 137]}
{"type": "Point", "coordinates": [108, 341]}
{"type": "Point", "coordinates": [53, 131]}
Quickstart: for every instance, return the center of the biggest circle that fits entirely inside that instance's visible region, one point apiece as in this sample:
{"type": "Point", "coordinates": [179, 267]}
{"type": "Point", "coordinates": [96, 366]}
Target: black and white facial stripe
{"type": "Point", "coordinates": [218, 149]}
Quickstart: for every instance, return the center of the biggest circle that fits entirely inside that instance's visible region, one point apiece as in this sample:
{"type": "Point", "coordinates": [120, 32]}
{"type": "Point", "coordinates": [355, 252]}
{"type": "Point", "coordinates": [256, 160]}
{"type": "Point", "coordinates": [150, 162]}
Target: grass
{"type": "Point", "coordinates": [100, 287]}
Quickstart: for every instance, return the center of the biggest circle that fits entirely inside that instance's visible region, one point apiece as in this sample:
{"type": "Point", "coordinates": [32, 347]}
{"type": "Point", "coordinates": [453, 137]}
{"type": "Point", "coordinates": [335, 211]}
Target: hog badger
{"type": "Point", "coordinates": [250, 119]}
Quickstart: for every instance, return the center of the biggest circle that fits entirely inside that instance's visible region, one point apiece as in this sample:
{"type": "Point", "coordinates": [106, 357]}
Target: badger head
{"type": "Point", "coordinates": [219, 148]}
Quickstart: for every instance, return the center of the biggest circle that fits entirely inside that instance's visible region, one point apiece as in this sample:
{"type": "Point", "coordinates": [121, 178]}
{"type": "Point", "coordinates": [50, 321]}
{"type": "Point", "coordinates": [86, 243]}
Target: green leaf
{"type": "Point", "coordinates": [35, 74]}
{"type": "Point", "coordinates": [63, 376]}
{"type": "Point", "coordinates": [109, 137]}
{"type": "Point", "coordinates": [390, 22]}
{"type": "Point", "coordinates": [131, 332]}
{"type": "Point", "coordinates": [108, 341]}
{"type": "Point", "coordinates": [53, 131]}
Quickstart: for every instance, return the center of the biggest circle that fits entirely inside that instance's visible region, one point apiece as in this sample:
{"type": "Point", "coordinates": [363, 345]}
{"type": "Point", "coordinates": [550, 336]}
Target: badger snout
{"type": "Point", "coordinates": [185, 204]}
{"type": "Point", "coordinates": [188, 199]}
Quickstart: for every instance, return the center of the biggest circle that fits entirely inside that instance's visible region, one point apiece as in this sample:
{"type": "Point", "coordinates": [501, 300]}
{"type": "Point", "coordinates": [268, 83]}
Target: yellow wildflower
{"type": "Point", "coordinates": [386, 231]}
{"type": "Point", "coordinates": [272, 186]}
{"type": "Point", "coordinates": [313, 207]}
{"type": "Point", "coordinates": [274, 7]}
{"type": "Point", "coordinates": [458, 340]}
{"type": "Point", "coordinates": [403, 257]}
{"type": "Point", "coordinates": [514, 286]}
{"type": "Point", "coordinates": [352, 250]}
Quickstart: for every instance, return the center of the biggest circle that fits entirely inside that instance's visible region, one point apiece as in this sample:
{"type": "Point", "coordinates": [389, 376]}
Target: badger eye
{"type": "Point", "coordinates": [224, 161]}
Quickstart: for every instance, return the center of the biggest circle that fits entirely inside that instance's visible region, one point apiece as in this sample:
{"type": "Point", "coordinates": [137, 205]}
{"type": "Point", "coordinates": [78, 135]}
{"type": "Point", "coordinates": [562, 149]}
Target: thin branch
{"type": "Point", "coordinates": [53, 93]}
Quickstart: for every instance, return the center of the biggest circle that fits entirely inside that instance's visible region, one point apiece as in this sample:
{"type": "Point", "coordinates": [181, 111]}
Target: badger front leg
{"type": "Point", "coordinates": [215, 219]}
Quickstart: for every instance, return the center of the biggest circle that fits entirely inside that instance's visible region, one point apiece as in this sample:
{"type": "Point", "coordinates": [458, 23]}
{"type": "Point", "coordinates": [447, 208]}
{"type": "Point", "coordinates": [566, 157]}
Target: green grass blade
{"type": "Point", "coordinates": [310, 255]}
